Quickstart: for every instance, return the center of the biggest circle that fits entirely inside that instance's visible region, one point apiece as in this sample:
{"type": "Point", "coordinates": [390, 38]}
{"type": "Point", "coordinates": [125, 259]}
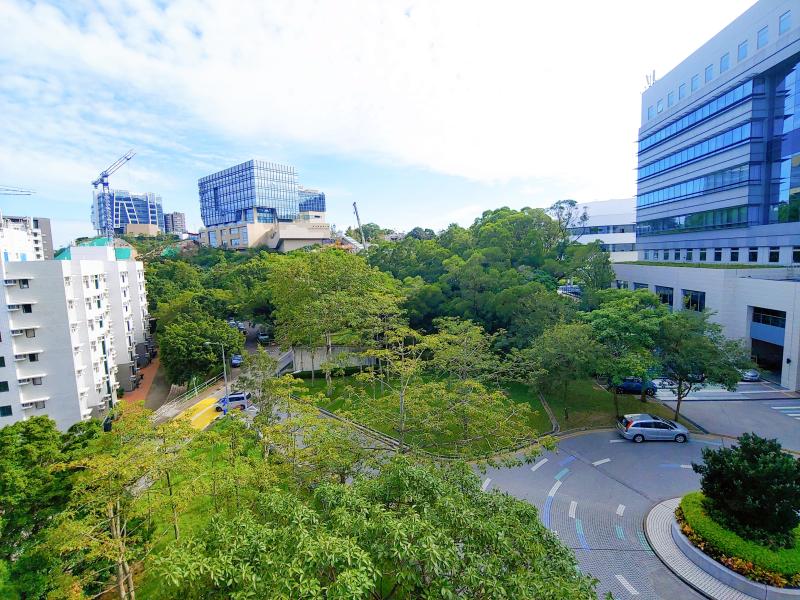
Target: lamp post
{"type": "Point", "coordinates": [224, 374]}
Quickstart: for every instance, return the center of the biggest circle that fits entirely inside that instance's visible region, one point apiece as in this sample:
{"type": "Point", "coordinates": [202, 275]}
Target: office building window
{"type": "Point", "coordinates": [695, 83]}
{"type": "Point", "coordinates": [640, 286]}
{"type": "Point", "coordinates": [660, 106]}
{"type": "Point", "coordinates": [796, 254]}
{"type": "Point", "coordinates": [665, 294]}
{"type": "Point", "coordinates": [742, 52]}
{"type": "Point", "coordinates": [762, 38]}
{"type": "Point", "coordinates": [722, 218]}
{"type": "Point", "coordinates": [717, 254]}
{"type": "Point", "coordinates": [785, 22]}
{"type": "Point", "coordinates": [689, 254]}
{"type": "Point", "coordinates": [702, 257]}
{"type": "Point", "coordinates": [682, 91]}
{"type": "Point", "coordinates": [33, 357]}
{"type": "Point", "coordinates": [734, 255]}
{"type": "Point", "coordinates": [709, 73]}
{"type": "Point", "coordinates": [651, 112]}
{"type": "Point", "coordinates": [752, 254]}
{"type": "Point", "coordinates": [676, 254]}
{"type": "Point", "coordinates": [3, 386]}
{"type": "Point", "coordinates": [24, 284]}
{"type": "Point", "coordinates": [647, 254]}
{"type": "Point", "coordinates": [693, 300]}
{"type": "Point", "coordinates": [670, 99]}
{"type": "Point", "coordinates": [767, 316]}
{"type": "Point", "coordinates": [5, 411]}
{"type": "Point", "coordinates": [655, 254]}
{"type": "Point", "coordinates": [724, 62]}
{"type": "Point", "coordinates": [2, 361]}
{"type": "Point", "coordinates": [27, 308]}
{"type": "Point", "coordinates": [774, 254]}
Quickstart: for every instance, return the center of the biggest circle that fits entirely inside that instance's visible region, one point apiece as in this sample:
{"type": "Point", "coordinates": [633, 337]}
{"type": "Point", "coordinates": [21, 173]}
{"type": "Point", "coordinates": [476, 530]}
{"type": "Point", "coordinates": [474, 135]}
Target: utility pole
{"type": "Point", "coordinates": [360, 229]}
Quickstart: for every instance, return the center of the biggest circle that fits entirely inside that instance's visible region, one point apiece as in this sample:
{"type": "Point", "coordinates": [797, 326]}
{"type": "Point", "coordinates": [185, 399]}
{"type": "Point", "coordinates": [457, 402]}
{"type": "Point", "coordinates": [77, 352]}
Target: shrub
{"type": "Point", "coordinates": [754, 489]}
{"type": "Point", "coordinates": [780, 568]}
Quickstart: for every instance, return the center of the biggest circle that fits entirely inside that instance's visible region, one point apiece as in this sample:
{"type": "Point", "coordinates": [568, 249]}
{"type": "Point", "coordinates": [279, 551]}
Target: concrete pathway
{"type": "Point", "coordinates": [658, 527]}
{"type": "Point", "coordinates": [148, 375]}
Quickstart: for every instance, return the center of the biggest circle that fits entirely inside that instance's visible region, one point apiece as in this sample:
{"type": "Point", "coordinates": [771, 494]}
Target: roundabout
{"type": "Point", "coordinates": [595, 493]}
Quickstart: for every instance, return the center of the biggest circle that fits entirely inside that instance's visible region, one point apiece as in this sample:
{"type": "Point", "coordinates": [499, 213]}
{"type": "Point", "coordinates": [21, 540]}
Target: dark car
{"type": "Point", "coordinates": [633, 385]}
{"type": "Point", "coordinates": [236, 360]}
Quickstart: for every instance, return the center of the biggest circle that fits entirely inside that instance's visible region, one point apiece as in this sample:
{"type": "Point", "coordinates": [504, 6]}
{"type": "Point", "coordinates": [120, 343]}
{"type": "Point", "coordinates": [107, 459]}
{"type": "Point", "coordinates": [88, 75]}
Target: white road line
{"type": "Point", "coordinates": [602, 461]}
{"type": "Point", "coordinates": [554, 489]}
{"type": "Point", "coordinates": [486, 484]}
{"type": "Point", "coordinates": [538, 464]}
{"type": "Point", "coordinates": [616, 441]}
{"type": "Point", "coordinates": [785, 407]}
{"type": "Point", "coordinates": [572, 506]}
{"type": "Point", "coordinates": [792, 414]}
{"type": "Point", "coordinates": [686, 466]}
{"type": "Point", "coordinates": [631, 590]}
{"type": "Point", "coordinates": [620, 509]}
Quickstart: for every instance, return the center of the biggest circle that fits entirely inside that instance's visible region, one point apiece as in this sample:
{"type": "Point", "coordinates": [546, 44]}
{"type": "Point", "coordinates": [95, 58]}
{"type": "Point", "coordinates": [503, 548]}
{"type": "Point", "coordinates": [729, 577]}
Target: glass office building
{"type": "Point", "coordinates": [255, 192]}
{"type": "Point", "coordinates": [128, 209]}
{"type": "Point", "coordinates": [719, 165]}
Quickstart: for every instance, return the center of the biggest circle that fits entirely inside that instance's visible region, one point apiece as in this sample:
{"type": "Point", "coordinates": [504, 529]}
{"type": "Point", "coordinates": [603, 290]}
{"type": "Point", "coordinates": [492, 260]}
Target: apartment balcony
{"type": "Point", "coordinates": [29, 403]}
{"type": "Point", "coordinates": [28, 370]}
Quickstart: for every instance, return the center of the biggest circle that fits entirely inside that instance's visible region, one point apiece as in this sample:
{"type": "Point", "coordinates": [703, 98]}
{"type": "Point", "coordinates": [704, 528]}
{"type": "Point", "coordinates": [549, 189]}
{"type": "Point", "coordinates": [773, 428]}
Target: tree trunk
{"type": "Point", "coordinates": [402, 421]}
{"type": "Point", "coordinates": [313, 352]}
{"type": "Point", "coordinates": [328, 358]}
{"type": "Point", "coordinates": [174, 508]}
{"type": "Point", "coordinates": [679, 396]}
{"type": "Point", "coordinates": [564, 398]}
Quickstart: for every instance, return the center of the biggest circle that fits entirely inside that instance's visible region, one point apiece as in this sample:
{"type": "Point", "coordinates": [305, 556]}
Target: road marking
{"type": "Point", "coordinates": [486, 484]}
{"type": "Point", "coordinates": [581, 536]}
{"type": "Point", "coordinates": [785, 407]}
{"type": "Point", "coordinates": [620, 509]}
{"type": "Point", "coordinates": [566, 461]}
{"type": "Point", "coordinates": [538, 464]}
{"type": "Point", "coordinates": [562, 473]}
{"type": "Point", "coordinates": [620, 532]}
{"type": "Point", "coordinates": [631, 590]}
{"type": "Point", "coordinates": [617, 441]}
{"type": "Point", "coordinates": [602, 461]}
{"type": "Point", "coordinates": [792, 414]}
{"type": "Point", "coordinates": [686, 466]}
{"type": "Point", "coordinates": [572, 506]}
{"type": "Point", "coordinates": [548, 503]}
{"type": "Point", "coordinates": [554, 489]}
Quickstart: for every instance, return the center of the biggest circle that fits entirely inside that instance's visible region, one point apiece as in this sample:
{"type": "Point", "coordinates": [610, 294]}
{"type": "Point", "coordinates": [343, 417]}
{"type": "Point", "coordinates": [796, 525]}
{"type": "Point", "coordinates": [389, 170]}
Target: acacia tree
{"type": "Point", "coordinates": [693, 352]}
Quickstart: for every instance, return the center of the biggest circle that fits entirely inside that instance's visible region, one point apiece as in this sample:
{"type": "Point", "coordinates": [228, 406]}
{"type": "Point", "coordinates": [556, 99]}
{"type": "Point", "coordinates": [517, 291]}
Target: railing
{"type": "Point", "coordinates": [172, 408]}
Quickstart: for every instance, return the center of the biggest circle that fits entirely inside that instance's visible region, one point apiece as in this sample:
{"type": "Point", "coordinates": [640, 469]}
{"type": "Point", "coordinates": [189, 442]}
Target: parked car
{"type": "Point", "coordinates": [633, 385]}
{"type": "Point", "coordinates": [264, 338]}
{"type": "Point", "coordinates": [236, 360]}
{"type": "Point", "coordinates": [751, 375]}
{"type": "Point", "coordinates": [240, 400]}
{"type": "Point", "coordinates": [641, 427]}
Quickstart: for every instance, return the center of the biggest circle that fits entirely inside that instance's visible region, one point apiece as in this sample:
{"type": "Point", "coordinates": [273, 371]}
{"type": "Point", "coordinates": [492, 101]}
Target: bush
{"type": "Point", "coordinates": [780, 568]}
{"type": "Point", "coordinates": [754, 489]}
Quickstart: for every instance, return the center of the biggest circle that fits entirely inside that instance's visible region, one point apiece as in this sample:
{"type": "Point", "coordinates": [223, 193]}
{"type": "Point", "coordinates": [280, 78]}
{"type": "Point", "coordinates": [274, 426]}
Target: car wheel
{"type": "Point", "coordinates": [218, 408]}
{"type": "Point", "coordinates": [638, 438]}
{"type": "Point", "coordinates": [680, 438]}
{"type": "Point", "coordinates": [650, 392]}
{"type": "Point", "coordinates": [620, 390]}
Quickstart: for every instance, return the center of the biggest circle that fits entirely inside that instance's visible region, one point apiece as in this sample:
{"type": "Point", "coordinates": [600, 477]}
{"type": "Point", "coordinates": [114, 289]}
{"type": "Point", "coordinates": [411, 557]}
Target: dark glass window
{"type": "Point", "coordinates": [785, 22]}
{"type": "Point", "coordinates": [762, 38]}
{"type": "Point", "coordinates": [767, 316]}
{"type": "Point", "coordinates": [27, 308]}
{"type": "Point", "coordinates": [721, 218]}
{"type": "Point", "coordinates": [774, 254]}
{"type": "Point", "coordinates": [734, 255]}
{"type": "Point", "coordinates": [724, 62]}
{"type": "Point", "coordinates": [24, 284]}
{"type": "Point", "coordinates": [702, 256]}
{"type": "Point", "coordinates": [709, 74]}
{"type": "Point", "coordinates": [676, 254]}
{"type": "Point", "coordinates": [640, 286]}
{"type": "Point", "coordinates": [3, 386]}
{"type": "Point", "coordinates": [36, 380]}
{"type": "Point", "coordinates": [2, 361]}
{"type": "Point", "coordinates": [33, 357]}
{"type": "Point", "coordinates": [796, 254]}
{"type": "Point", "coordinates": [689, 254]}
{"type": "Point", "coordinates": [682, 91]}
{"type": "Point", "coordinates": [752, 254]}
{"type": "Point", "coordinates": [665, 294]}
{"type": "Point", "coordinates": [717, 254]}
{"type": "Point", "coordinates": [742, 52]}
{"type": "Point", "coordinates": [647, 254]}
{"type": "Point", "coordinates": [695, 82]}
{"type": "Point", "coordinates": [694, 300]}
{"type": "Point", "coordinates": [5, 411]}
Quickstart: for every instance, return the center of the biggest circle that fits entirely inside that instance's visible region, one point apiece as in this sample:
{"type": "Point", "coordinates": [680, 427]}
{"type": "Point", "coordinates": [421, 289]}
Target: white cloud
{"type": "Point", "coordinates": [486, 91]}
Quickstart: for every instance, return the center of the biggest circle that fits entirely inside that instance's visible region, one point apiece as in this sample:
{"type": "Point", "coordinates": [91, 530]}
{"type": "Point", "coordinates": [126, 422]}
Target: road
{"type": "Point", "coordinates": [595, 493]}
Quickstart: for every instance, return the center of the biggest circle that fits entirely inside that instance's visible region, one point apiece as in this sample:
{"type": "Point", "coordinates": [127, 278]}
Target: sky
{"type": "Point", "coordinates": [424, 113]}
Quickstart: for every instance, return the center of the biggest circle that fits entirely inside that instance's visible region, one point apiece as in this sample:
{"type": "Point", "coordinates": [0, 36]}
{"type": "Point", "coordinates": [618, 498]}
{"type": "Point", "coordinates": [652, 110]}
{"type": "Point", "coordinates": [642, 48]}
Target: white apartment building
{"type": "Point", "coordinates": [70, 333]}
{"type": "Point", "coordinates": [22, 239]}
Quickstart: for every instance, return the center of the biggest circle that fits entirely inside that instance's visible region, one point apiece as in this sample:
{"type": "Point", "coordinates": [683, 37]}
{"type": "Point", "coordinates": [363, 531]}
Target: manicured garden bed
{"type": "Point", "coordinates": [776, 567]}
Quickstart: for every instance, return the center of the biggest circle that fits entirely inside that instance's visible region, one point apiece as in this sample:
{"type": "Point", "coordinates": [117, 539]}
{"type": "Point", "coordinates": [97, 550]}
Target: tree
{"type": "Point", "coordinates": [627, 325]}
{"type": "Point", "coordinates": [371, 231]}
{"type": "Point", "coordinates": [183, 348]}
{"type": "Point", "coordinates": [567, 216]}
{"type": "Point", "coordinates": [590, 266]}
{"type": "Point", "coordinates": [461, 350]}
{"type": "Point", "coordinates": [410, 531]}
{"type": "Point", "coordinates": [422, 234]}
{"type": "Point", "coordinates": [693, 352]}
{"type": "Point", "coordinates": [753, 488]}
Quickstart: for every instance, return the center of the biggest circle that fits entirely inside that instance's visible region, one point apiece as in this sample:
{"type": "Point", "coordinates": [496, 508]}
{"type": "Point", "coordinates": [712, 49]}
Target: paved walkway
{"type": "Point", "coordinates": [658, 527]}
{"type": "Point", "coordinates": [148, 374]}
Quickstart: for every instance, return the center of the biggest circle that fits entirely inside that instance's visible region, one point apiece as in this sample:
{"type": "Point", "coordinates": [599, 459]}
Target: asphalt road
{"type": "Point", "coordinates": [595, 493]}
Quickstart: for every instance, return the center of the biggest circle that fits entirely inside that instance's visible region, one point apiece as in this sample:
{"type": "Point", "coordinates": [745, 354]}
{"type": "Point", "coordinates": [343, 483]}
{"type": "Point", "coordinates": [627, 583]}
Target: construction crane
{"type": "Point", "coordinates": [360, 229]}
{"type": "Point", "coordinates": [14, 191]}
{"type": "Point", "coordinates": [102, 179]}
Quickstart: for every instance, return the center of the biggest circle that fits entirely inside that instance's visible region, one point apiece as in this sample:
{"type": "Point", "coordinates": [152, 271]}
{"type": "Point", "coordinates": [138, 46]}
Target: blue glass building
{"type": "Point", "coordinates": [255, 192]}
{"type": "Point", "coordinates": [128, 209]}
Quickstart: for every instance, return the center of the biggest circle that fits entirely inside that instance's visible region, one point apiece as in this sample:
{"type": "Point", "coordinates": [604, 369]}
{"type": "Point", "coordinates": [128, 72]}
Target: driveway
{"type": "Point", "coordinates": [595, 493]}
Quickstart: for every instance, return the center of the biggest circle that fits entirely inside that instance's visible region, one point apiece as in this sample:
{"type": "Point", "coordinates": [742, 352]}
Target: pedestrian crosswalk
{"type": "Point", "coordinates": [792, 411]}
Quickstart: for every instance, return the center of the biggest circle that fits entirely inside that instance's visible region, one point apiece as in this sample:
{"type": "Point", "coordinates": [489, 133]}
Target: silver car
{"type": "Point", "coordinates": [641, 427]}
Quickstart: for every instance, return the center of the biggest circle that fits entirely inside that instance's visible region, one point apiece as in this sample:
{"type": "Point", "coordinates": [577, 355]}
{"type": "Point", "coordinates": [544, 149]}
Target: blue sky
{"type": "Point", "coordinates": [424, 113]}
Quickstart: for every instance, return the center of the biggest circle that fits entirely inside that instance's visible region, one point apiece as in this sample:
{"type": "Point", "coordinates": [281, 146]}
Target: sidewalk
{"type": "Point", "coordinates": [658, 527]}
{"type": "Point", "coordinates": [148, 375]}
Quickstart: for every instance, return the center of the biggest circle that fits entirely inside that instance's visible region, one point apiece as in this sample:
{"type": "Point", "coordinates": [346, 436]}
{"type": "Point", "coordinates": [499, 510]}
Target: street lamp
{"type": "Point", "coordinates": [224, 373]}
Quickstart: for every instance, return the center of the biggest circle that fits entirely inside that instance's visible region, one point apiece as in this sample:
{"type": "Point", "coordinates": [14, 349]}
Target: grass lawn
{"type": "Point", "coordinates": [589, 405]}
{"type": "Point", "coordinates": [516, 391]}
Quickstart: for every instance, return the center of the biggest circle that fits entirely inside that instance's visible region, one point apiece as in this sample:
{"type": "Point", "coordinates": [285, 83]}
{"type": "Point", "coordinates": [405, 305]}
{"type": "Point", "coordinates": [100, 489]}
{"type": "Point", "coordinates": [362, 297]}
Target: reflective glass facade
{"type": "Point", "coordinates": [739, 175]}
{"type": "Point", "coordinates": [722, 218]}
{"type": "Point", "coordinates": [785, 176]}
{"type": "Point", "coordinates": [254, 192]}
{"type": "Point", "coordinates": [128, 209]}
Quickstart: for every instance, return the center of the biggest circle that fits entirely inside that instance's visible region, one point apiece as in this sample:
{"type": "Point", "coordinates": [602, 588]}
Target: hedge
{"type": "Point", "coordinates": [776, 567]}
